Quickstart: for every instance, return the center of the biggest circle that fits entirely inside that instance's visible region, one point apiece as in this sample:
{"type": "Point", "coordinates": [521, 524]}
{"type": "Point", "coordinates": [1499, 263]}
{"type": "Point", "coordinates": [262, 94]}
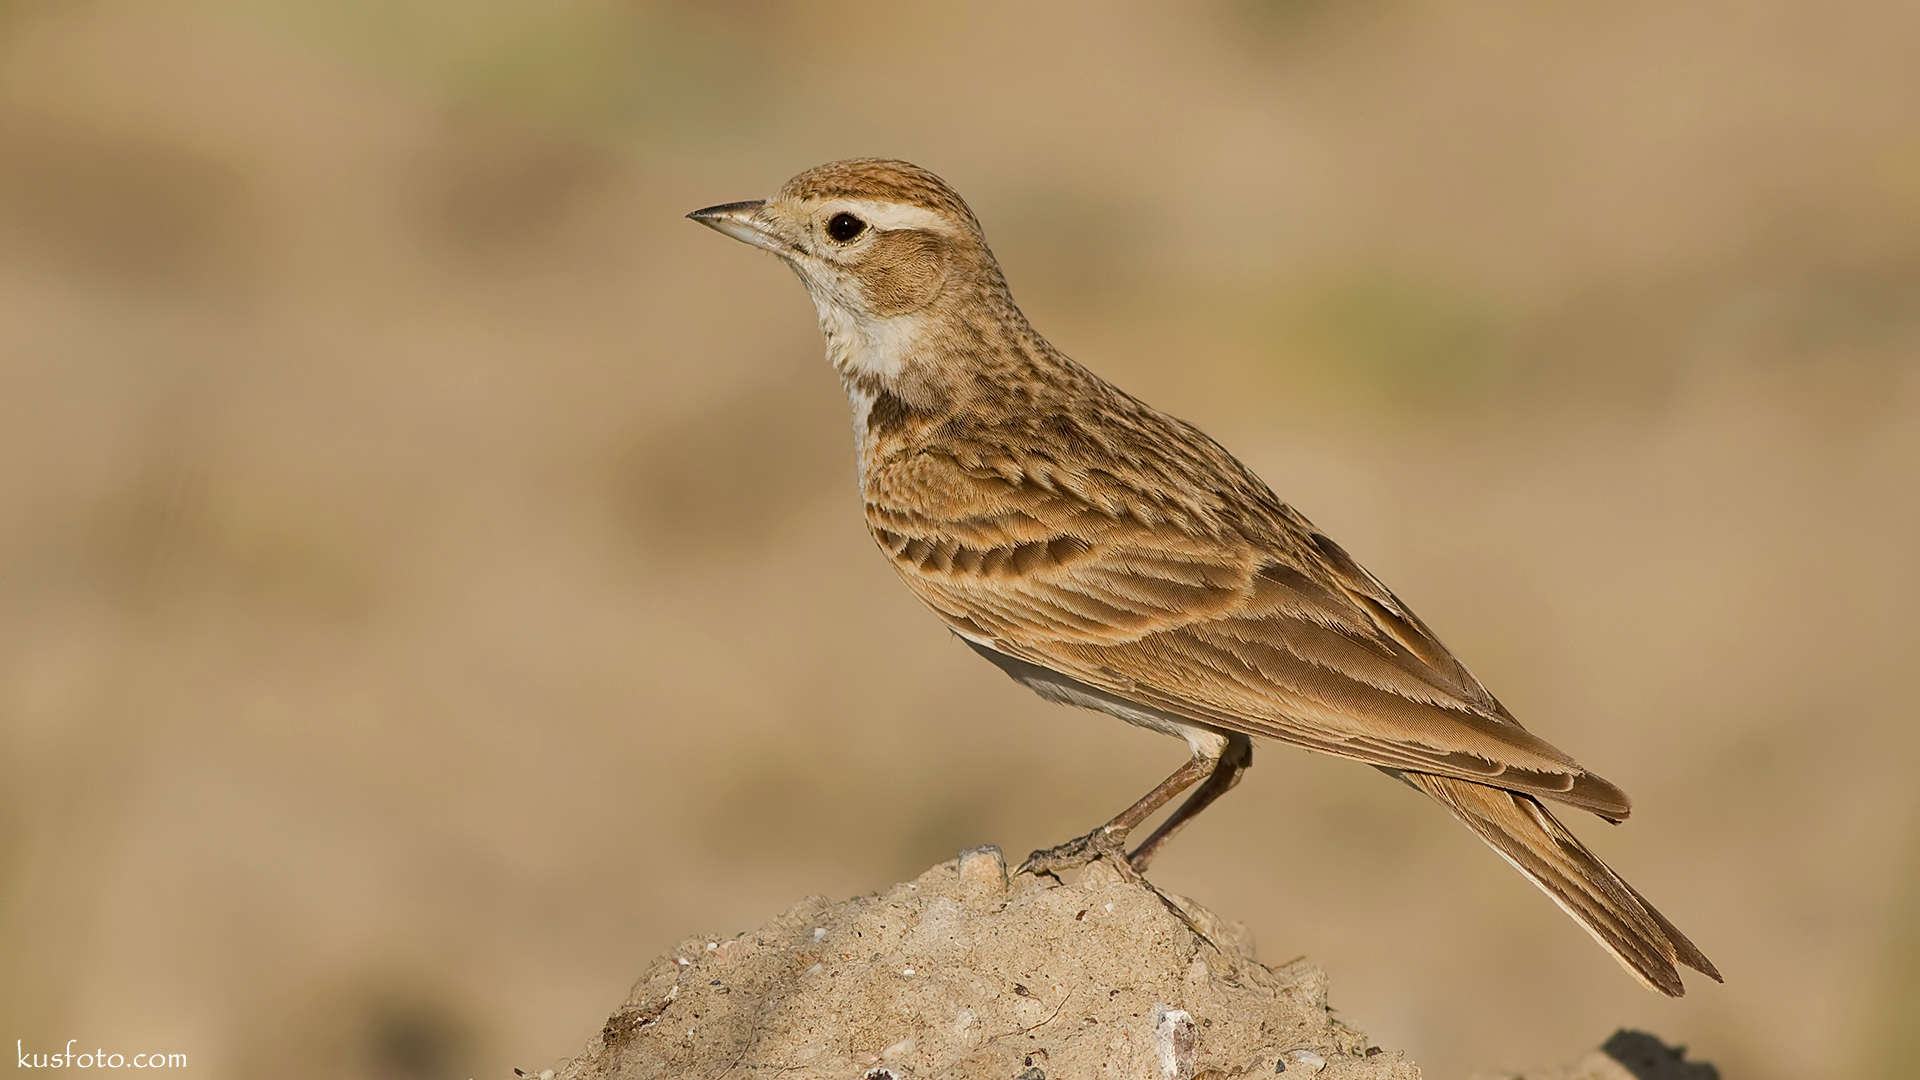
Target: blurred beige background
{"type": "Point", "coordinates": [431, 582]}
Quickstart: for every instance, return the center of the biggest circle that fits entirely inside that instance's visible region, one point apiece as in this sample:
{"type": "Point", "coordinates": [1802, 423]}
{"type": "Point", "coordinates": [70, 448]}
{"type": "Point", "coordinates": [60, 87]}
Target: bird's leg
{"type": "Point", "coordinates": [1111, 839]}
{"type": "Point", "coordinates": [1233, 762]}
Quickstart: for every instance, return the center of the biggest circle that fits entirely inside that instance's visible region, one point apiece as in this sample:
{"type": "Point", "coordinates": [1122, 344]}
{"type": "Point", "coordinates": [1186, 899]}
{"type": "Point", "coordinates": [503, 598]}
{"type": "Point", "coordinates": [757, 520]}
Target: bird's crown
{"type": "Point", "coordinates": [879, 180]}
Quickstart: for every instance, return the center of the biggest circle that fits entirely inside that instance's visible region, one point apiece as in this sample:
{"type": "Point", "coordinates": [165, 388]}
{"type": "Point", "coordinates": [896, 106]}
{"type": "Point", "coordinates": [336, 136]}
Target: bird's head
{"type": "Point", "coordinates": [884, 247]}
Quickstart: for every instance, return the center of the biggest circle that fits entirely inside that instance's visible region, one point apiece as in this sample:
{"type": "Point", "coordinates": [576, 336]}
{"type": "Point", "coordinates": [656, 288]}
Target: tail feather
{"type": "Point", "coordinates": [1619, 918]}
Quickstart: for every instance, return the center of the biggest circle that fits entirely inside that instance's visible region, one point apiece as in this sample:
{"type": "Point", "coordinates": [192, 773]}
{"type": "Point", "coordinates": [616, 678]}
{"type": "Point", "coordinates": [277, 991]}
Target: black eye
{"type": "Point", "coordinates": [844, 227]}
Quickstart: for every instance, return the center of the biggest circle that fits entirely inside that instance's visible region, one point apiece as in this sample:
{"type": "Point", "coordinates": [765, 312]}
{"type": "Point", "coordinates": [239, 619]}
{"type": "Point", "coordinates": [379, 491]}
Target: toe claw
{"type": "Point", "coordinates": [1078, 852]}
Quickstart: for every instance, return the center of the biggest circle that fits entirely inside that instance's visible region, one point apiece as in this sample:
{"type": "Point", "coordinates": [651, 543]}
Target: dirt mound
{"type": "Point", "coordinates": [961, 974]}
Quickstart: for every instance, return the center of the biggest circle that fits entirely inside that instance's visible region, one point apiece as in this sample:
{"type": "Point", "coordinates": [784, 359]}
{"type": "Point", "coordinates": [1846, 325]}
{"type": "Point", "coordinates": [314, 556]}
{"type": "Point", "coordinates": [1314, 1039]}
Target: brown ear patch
{"type": "Point", "coordinates": [903, 271]}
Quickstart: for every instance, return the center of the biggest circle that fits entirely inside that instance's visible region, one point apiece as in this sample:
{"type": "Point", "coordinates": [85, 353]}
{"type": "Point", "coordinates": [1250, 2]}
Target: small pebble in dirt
{"type": "Point", "coordinates": [1307, 1060]}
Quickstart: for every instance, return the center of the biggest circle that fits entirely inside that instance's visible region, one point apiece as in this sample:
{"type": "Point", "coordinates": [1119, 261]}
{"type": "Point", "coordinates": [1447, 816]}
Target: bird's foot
{"type": "Point", "coordinates": [1101, 843]}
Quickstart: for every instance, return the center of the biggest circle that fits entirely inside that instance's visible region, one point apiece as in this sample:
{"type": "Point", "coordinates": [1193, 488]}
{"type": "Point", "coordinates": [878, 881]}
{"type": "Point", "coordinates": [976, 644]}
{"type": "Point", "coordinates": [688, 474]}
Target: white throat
{"type": "Point", "coordinates": [869, 355]}
{"type": "Point", "coordinates": [876, 348]}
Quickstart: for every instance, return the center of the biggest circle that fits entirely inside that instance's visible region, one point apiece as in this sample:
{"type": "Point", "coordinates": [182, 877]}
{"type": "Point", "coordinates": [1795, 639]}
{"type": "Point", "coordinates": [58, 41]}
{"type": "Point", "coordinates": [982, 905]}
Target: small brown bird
{"type": "Point", "coordinates": [1110, 556]}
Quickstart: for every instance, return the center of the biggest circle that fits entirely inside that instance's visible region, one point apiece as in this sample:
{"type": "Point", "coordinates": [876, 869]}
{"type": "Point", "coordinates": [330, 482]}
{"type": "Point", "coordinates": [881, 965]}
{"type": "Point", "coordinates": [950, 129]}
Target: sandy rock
{"type": "Point", "coordinates": [961, 974]}
{"type": "Point", "coordinates": [964, 973]}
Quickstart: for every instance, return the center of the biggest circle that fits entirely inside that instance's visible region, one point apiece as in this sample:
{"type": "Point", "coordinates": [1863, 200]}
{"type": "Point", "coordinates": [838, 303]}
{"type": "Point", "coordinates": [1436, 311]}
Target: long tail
{"type": "Point", "coordinates": [1619, 918]}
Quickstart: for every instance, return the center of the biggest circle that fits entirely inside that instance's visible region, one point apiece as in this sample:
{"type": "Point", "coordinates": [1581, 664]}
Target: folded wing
{"type": "Point", "coordinates": [1255, 624]}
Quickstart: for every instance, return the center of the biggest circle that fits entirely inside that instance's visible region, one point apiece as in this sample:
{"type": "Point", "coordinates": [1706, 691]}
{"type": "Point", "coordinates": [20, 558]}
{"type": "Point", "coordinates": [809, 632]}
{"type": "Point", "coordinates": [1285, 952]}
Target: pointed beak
{"type": "Point", "coordinates": [745, 222]}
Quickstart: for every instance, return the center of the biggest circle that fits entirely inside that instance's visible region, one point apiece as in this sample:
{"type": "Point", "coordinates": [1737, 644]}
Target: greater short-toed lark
{"type": "Point", "coordinates": [1110, 556]}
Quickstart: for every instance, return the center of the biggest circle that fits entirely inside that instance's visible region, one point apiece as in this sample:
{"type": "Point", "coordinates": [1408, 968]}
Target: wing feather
{"type": "Point", "coordinates": [1266, 627]}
